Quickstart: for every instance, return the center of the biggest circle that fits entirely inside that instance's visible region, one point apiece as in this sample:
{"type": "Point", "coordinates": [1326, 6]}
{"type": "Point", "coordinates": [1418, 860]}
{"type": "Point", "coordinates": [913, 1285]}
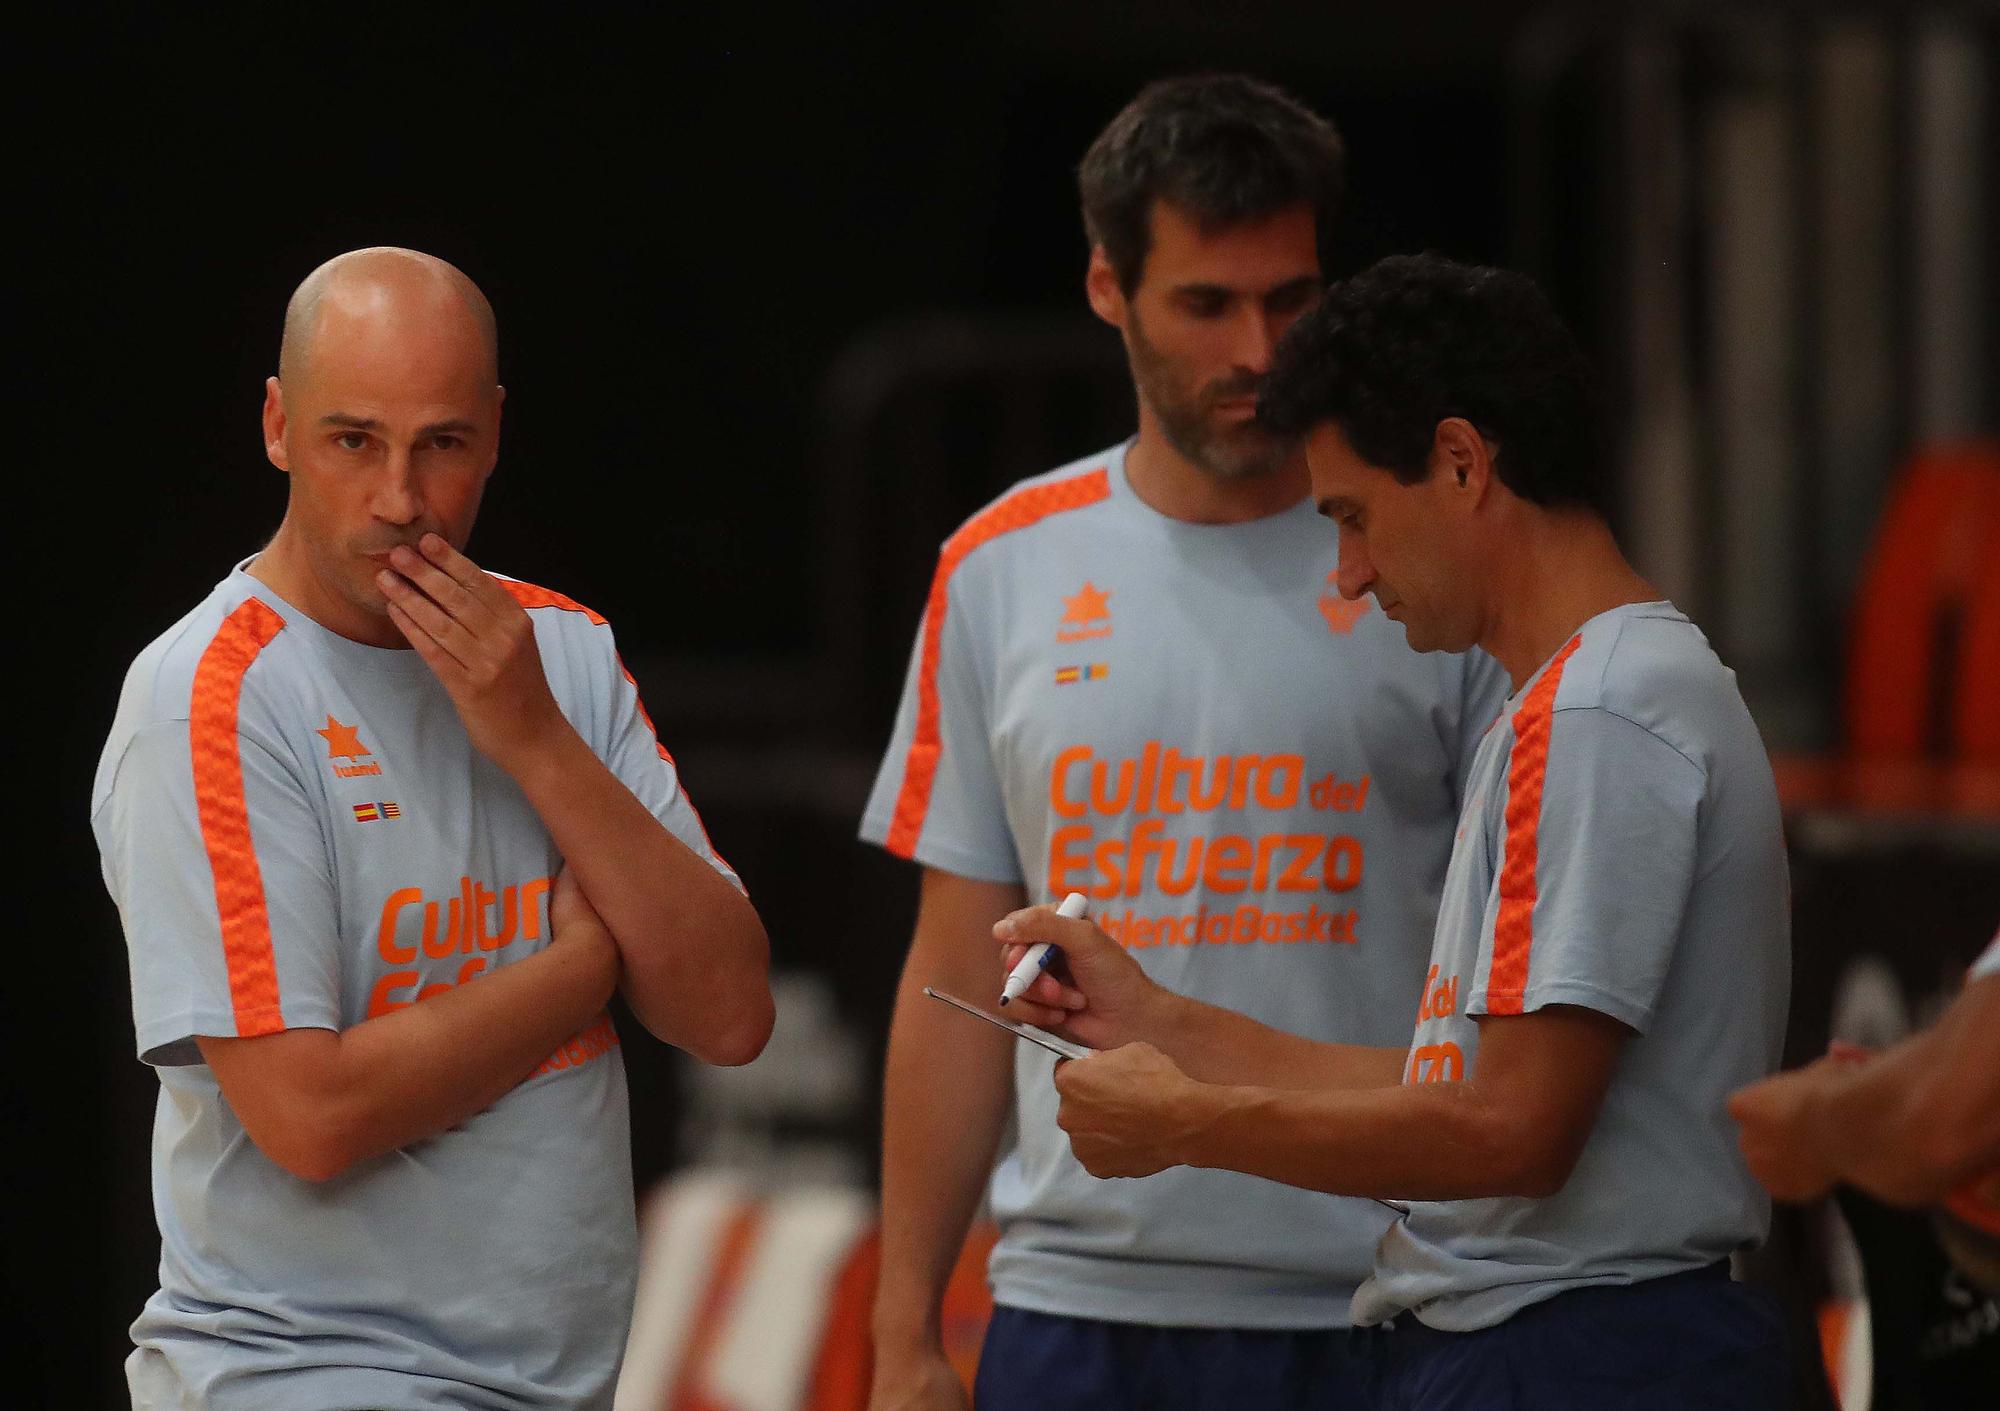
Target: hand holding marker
{"type": "Point", "coordinates": [1037, 958]}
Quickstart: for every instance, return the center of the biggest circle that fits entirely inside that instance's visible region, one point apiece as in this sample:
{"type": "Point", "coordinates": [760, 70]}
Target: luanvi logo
{"type": "Point", "coordinates": [344, 742]}
{"type": "Point", "coordinates": [1082, 610]}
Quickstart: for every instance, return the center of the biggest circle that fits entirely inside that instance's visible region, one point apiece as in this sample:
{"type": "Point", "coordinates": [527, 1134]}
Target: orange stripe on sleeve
{"type": "Point", "coordinates": [225, 816]}
{"type": "Point", "coordinates": [1016, 511]}
{"type": "Point", "coordinates": [530, 596]}
{"type": "Point", "coordinates": [1527, 766]}
{"type": "Point", "coordinates": [660, 745]}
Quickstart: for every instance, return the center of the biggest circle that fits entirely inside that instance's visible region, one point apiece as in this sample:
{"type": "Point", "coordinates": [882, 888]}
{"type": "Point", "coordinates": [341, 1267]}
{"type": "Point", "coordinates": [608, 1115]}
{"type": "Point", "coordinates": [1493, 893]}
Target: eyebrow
{"type": "Point", "coordinates": [369, 423]}
{"type": "Point", "coordinates": [1226, 291]}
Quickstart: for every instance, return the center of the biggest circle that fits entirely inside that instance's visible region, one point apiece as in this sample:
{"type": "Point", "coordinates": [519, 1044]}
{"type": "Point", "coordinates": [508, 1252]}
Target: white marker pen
{"type": "Point", "coordinates": [1037, 958]}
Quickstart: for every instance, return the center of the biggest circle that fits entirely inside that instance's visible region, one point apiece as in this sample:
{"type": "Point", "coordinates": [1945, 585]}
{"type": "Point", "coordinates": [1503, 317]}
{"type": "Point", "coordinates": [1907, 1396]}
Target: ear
{"type": "Point", "coordinates": [1463, 456]}
{"type": "Point", "coordinates": [274, 423]}
{"type": "Point", "coordinates": [1100, 287]}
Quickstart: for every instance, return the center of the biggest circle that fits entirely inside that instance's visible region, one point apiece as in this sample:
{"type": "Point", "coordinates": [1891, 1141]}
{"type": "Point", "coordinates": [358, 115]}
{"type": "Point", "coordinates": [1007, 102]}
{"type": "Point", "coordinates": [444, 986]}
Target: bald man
{"type": "Point", "coordinates": [386, 832]}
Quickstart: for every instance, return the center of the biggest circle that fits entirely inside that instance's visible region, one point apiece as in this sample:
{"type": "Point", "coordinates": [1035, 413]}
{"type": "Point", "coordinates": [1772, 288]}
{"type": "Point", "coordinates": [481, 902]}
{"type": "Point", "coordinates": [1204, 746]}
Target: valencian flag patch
{"type": "Point", "coordinates": [1093, 671]}
{"type": "Point", "coordinates": [369, 812]}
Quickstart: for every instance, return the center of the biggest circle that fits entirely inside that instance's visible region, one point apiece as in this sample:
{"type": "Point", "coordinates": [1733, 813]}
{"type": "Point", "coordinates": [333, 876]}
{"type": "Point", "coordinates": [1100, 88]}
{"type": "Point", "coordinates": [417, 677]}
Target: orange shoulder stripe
{"type": "Point", "coordinates": [1016, 511]}
{"type": "Point", "coordinates": [530, 596]}
{"type": "Point", "coordinates": [660, 745]}
{"type": "Point", "coordinates": [225, 816]}
{"type": "Point", "coordinates": [1527, 766]}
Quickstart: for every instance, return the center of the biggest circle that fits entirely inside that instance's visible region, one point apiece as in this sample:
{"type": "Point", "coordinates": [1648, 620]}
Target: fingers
{"type": "Point", "coordinates": [1042, 1016]}
{"type": "Point", "coordinates": [435, 656]}
{"type": "Point", "coordinates": [1047, 990]}
{"type": "Point", "coordinates": [462, 571]}
{"type": "Point", "coordinates": [460, 600]}
{"type": "Point", "coordinates": [431, 622]}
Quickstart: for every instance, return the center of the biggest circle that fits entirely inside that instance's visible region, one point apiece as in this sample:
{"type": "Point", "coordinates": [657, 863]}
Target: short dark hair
{"type": "Point", "coordinates": [1413, 339]}
{"type": "Point", "coordinates": [1224, 148]}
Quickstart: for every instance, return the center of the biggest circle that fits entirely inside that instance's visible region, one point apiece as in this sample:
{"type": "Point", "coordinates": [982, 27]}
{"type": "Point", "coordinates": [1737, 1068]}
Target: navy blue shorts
{"type": "Point", "coordinates": [1687, 1342]}
{"type": "Point", "coordinates": [1051, 1363]}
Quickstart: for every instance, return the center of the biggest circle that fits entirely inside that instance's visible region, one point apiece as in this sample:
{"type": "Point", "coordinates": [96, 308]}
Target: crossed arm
{"type": "Point", "coordinates": [635, 910]}
{"type": "Point", "coordinates": [316, 1101]}
{"type": "Point", "coordinates": [694, 953]}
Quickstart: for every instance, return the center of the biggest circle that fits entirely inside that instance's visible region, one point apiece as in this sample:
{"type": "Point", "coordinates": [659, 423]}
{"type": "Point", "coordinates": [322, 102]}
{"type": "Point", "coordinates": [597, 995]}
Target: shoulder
{"type": "Point", "coordinates": [536, 598]}
{"type": "Point", "coordinates": [1655, 670]}
{"type": "Point", "coordinates": [222, 637]}
{"type": "Point", "coordinates": [1031, 507]}
{"type": "Point", "coordinates": [202, 662]}
{"type": "Point", "coordinates": [559, 617]}
{"type": "Point", "coordinates": [1640, 664]}
{"type": "Point", "coordinates": [579, 653]}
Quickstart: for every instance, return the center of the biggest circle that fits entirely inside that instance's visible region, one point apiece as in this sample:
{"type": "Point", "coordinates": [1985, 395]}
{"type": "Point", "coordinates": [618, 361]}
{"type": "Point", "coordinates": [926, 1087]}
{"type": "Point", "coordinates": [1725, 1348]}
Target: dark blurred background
{"type": "Point", "coordinates": [785, 294]}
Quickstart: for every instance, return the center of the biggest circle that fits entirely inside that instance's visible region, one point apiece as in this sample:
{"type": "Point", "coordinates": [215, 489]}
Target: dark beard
{"type": "Point", "coordinates": [1241, 452]}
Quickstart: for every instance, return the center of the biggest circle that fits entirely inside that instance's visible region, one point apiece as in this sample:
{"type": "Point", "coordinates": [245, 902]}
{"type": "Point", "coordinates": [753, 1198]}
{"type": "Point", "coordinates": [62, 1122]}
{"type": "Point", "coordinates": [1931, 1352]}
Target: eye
{"type": "Point", "coordinates": [1205, 304]}
{"type": "Point", "coordinates": [1292, 299]}
{"type": "Point", "coordinates": [445, 441]}
{"type": "Point", "coordinates": [352, 441]}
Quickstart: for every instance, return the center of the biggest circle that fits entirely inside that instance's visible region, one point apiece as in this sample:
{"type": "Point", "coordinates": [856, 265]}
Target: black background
{"type": "Point", "coordinates": [681, 221]}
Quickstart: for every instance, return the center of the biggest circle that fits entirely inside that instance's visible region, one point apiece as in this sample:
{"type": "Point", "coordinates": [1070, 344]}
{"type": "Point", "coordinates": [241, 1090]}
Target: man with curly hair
{"type": "Point", "coordinates": [1611, 958]}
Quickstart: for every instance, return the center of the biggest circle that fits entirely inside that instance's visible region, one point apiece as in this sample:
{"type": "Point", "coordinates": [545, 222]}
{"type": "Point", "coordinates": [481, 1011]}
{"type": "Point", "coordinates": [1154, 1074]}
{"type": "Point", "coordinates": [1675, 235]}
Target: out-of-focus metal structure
{"type": "Point", "coordinates": [1784, 218]}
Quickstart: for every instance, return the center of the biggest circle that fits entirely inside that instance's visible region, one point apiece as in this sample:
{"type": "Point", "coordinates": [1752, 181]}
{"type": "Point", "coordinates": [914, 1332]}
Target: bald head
{"type": "Point", "coordinates": [386, 291]}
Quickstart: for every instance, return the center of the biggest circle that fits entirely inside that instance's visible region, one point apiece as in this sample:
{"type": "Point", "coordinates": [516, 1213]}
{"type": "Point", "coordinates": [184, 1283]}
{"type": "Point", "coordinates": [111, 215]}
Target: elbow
{"type": "Point", "coordinates": [752, 1014]}
{"type": "Point", "coordinates": [317, 1168]}
{"type": "Point", "coordinates": [311, 1151]}
{"type": "Point", "coordinates": [1524, 1166]}
{"type": "Point", "coordinates": [1538, 1180]}
{"type": "Point", "coordinates": [741, 1041]}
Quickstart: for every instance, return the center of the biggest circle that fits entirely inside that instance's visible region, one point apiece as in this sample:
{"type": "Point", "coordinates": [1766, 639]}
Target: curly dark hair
{"type": "Point", "coordinates": [1224, 148]}
{"type": "Point", "coordinates": [1413, 339]}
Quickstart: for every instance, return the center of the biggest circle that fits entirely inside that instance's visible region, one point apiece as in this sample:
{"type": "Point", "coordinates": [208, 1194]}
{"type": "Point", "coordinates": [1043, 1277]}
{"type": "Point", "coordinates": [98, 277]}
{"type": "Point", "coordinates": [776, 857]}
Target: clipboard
{"type": "Point", "coordinates": [1041, 1038]}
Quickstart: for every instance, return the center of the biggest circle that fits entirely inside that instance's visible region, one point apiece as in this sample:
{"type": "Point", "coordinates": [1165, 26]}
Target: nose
{"type": "Point", "coordinates": [1256, 339]}
{"type": "Point", "coordinates": [396, 497]}
{"type": "Point", "coordinates": [1357, 574]}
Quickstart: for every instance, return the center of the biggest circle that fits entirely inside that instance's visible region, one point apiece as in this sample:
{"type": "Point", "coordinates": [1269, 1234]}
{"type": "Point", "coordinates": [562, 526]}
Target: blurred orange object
{"type": "Point", "coordinates": [846, 1361]}
{"type": "Point", "coordinates": [1921, 697]}
{"type": "Point", "coordinates": [754, 1300]}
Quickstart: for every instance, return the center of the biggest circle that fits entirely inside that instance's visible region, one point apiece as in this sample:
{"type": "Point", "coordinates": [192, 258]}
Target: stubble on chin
{"type": "Point", "coordinates": [1240, 450]}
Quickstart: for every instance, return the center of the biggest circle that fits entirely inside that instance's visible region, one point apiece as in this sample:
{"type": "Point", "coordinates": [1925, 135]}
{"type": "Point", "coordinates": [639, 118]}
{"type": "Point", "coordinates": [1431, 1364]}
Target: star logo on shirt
{"type": "Point", "coordinates": [1340, 614]}
{"type": "Point", "coordinates": [1090, 604]}
{"type": "Point", "coordinates": [342, 741]}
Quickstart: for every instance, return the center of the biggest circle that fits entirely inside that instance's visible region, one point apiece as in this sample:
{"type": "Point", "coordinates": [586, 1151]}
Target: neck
{"type": "Point", "coordinates": [1560, 569]}
{"type": "Point", "coordinates": [288, 571]}
{"type": "Point", "coordinates": [1170, 483]}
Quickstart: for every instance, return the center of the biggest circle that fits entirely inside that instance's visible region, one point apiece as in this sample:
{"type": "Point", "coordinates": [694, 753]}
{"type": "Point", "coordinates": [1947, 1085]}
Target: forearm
{"type": "Point", "coordinates": [696, 960]}
{"type": "Point", "coordinates": [947, 1093]}
{"type": "Point", "coordinates": [1215, 1045]}
{"type": "Point", "coordinates": [317, 1101]}
{"type": "Point", "coordinates": [1425, 1142]}
{"type": "Point", "coordinates": [1915, 1122]}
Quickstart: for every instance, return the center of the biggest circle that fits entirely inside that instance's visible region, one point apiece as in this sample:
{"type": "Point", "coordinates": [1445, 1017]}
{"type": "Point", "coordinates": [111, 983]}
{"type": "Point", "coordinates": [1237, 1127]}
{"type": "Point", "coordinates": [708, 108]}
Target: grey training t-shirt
{"type": "Point", "coordinates": [1621, 850]}
{"type": "Point", "coordinates": [299, 834]}
{"type": "Point", "coordinates": [1252, 780]}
